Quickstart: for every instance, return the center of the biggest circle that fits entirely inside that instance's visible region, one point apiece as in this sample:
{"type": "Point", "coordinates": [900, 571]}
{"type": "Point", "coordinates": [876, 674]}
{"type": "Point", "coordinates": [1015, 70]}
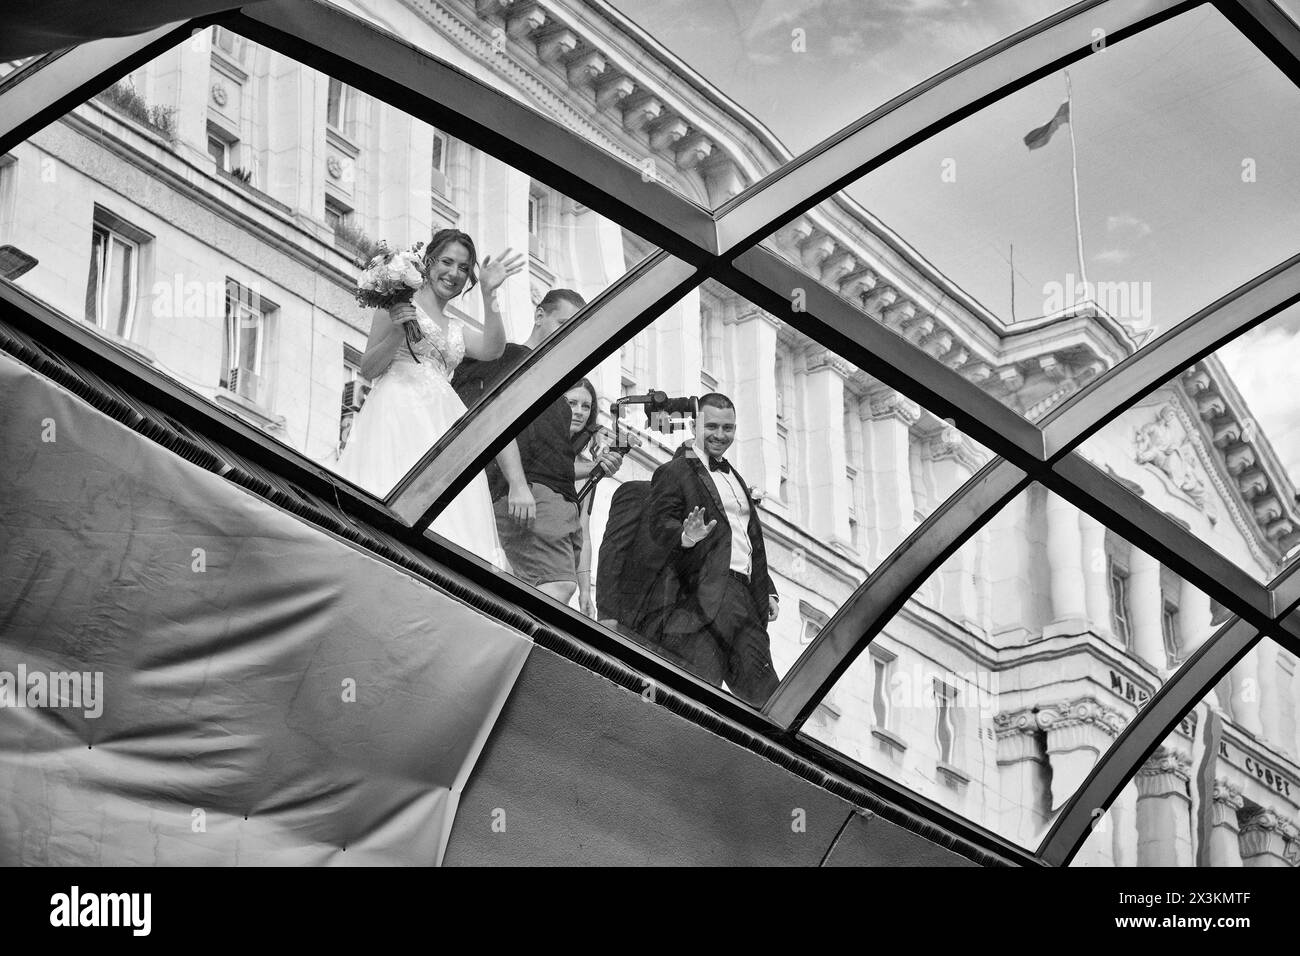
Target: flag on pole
{"type": "Point", "coordinates": [1039, 137]}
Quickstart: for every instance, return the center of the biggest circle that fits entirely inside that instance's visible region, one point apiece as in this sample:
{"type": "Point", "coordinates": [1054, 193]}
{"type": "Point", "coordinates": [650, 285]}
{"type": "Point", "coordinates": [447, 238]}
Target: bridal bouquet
{"type": "Point", "coordinates": [392, 277]}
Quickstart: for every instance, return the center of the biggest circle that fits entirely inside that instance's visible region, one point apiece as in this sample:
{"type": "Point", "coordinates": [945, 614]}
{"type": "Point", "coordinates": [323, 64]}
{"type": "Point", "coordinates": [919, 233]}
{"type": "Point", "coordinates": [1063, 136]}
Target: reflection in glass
{"type": "Point", "coordinates": [706, 97]}
{"type": "Point", "coordinates": [839, 57]}
{"type": "Point", "coordinates": [1223, 789]}
{"type": "Point", "coordinates": [834, 469]}
{"type": "Point", "coordinates": [1014, 666]}
{"type": "Point", "coordinates": [208, 212]}
{"type": "Point", "coordinates": [1216, 448]}
{"type": "Point", "coordinates": [1143, 172]}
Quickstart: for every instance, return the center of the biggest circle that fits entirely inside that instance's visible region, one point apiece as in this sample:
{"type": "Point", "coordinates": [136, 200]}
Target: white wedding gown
{"type": "Point", "coordinates": [410, 406]}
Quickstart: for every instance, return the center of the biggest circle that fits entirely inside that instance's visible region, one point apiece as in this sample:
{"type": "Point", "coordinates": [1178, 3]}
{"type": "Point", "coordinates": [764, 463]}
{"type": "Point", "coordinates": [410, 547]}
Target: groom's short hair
{"type": "Point", "coordinates": [717, 400]}
{"type": "Point", "coordinates": [556, 296]}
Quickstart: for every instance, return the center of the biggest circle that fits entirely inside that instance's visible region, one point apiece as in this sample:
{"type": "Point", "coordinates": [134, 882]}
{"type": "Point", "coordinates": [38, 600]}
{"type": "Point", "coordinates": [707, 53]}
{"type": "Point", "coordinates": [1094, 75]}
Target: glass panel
{"type": "Point", "coordinates": [139, 159]}
{"type": "Point", "coordinates": [634, 573]}
{"type": "Point", "coordinates": [120, 283]}
{"type": "Point", "coordinates": [1185, 144]}
{"type": "Point", "coordinates": [1217, 447]}
{"type": "Point", "coordinates": [97, 239]}
{"type": "Point", "coordinates": [996, 686]}
{"type": "Point", "coordinates": [708, 97]}
{"type": "Point", "coordinates": [1223, 789]}
{"type": "Point", "coordinates": [841, 59]}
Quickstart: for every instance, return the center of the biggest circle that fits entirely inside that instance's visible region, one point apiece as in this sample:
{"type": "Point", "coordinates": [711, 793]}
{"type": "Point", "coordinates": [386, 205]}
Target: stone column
{"type": "Point", "coordinates": [1164, 820]}
{"type": "Point", "coordinates": [829, 491]}
{"type": "Point", "coordinates": [954, 460]}
{"type": "Point", "coordinates": [1264, 837]}
{"type": "Point", "coordinates": [1123, 813]}
{"type": "Point", "coordinates": [1194, 627]}
{"type": "Point", "coordinates": [1225, 846]}
{"type": "Point", "coordinates": [1078, 732]}
{"type": "Point", "coordinates": [1146, 607]}
{"type": "Point", "coordinates": [1245, 692]}
{"type": "Point", "coordinates": [892, 507]}
{"type": "Point", "coordinates": [400, 178]}
{"type": "Point", "coordinates": [1065, 558]}
{"type": "Point", "coordinates": [1270, 708]}
{"type": "Point", "coordinates": [753, 344]}
{"type": "Point", "coordinates": [1023, 776]}
{"type": "Point", "coordinates": [1096, 586]}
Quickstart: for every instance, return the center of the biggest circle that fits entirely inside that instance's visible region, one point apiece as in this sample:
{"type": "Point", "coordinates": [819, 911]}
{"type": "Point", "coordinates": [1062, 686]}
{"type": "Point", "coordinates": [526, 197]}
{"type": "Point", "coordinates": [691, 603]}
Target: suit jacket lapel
{"type": "Point", "coordinates": [701, 472]}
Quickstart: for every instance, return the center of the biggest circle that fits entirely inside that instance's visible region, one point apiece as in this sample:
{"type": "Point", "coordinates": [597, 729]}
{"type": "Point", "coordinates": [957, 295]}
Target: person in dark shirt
{"type": "Point", "coordinates": [532, 481]}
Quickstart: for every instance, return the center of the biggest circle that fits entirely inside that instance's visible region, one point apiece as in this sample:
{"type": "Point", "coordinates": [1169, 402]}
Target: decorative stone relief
{"type": "Point", "coordinates": [1163, 445]}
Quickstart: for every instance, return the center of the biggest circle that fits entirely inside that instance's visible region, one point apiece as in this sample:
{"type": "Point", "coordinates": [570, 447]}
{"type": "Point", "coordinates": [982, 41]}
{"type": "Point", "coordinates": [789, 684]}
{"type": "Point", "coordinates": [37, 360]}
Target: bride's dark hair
{"type": "Point", "coordinates": [441, 240]}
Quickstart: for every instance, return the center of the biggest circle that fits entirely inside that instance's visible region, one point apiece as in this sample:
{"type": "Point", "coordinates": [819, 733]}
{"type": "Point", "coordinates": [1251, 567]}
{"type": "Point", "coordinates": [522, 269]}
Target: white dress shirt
{"type": "Point", "coordinates": [735, 502]}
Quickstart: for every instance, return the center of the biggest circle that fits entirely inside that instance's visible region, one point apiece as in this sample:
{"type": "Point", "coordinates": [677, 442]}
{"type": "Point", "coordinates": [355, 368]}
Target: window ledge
{"type": "Point", "coordinates": [135, 348]}
{"type": "Point", "coordinates": [259, 416]}
{"type": "Point", "coordinates": [952, 776]}
{"type": "Point", "coordinates": [341, 141]}
{"type": "Point", "coordinates": [890, 739]}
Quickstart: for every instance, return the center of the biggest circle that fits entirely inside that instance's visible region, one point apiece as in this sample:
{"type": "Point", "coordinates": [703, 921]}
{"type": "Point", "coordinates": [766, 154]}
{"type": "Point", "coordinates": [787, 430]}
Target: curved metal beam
{"type": "Point", "coordinates": [1143, 372]}
{"type": "Point", "coordinates": [365, 56]}
{"type": "Point", "coordinates": [68, 79]}
{"type": "Point", "coordinates": [770, 282]}
{"type": "Point", "coordinates": [620, 311]}
{"type": "Point", "coordinates": [929, 108]}
{"type": "Point", "coordinates": [1144, 733]}
{"type": "Point", "coordinates": [885, 592]}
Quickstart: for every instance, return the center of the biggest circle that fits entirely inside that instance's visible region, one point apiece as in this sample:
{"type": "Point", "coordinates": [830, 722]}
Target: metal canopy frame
{"type": "Point", "coordinates": [697, 245]}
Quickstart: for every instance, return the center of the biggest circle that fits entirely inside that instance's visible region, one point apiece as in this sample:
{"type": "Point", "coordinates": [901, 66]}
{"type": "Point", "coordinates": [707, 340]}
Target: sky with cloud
{"type": "Point", "coordinates": [1188, 144]}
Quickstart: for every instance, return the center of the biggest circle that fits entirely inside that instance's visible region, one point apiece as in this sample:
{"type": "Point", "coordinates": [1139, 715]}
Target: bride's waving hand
{"type": "Point", "coordinates": [491, 342]}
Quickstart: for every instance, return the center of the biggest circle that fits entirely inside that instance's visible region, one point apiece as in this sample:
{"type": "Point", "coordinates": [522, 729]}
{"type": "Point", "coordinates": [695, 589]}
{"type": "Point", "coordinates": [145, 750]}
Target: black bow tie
{"type": "Point", "coordinates": [719, 464]}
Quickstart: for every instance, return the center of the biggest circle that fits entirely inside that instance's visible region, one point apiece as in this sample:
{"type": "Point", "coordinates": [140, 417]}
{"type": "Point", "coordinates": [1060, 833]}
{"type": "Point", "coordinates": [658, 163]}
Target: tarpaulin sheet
{"type": "Point", "coordinates": [270, 693]}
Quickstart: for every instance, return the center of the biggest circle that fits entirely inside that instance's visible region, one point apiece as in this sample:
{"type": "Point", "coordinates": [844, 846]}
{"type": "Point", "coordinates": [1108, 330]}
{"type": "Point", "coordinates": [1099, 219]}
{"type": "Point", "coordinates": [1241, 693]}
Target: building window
{"type": "Point", "coordinates": [111, 285]}
{"type": "Point", "coordinates": [710, 343]}
{"type": "Point", "coordinates": [439, 163]}
{"type": "Point", "coordinates": [231, 44]}
{"type": "Point", "coordinates": [812, 622]}
{"type": "Point", "coordinates": [337, 214]}
{"type": "Point", "coordinates": [223, 147]}
{"type": "Point", "coordinates": [945, 725]}
{"type": "Point", "coordinates": [882, 674]}
{"type": "Point", "coordinates": [1119, 614]}
{"type": "Point", "coordinates": [355, 390]}
{"type": "Point", "coordinates": [782, 428]}
{"type": "Point", "coordinates": [244, 345]}
{"type": "Point", "coordinates": [341, 108]}
{"type": "Point", "coordinates": [1169, 628]}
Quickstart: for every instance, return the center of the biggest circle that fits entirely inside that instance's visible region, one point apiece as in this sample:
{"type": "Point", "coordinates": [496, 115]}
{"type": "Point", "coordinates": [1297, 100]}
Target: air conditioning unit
{"type": "Point", "coordinates": [244, 383]}
{"type": "Point", "coordinates": [354, 394]}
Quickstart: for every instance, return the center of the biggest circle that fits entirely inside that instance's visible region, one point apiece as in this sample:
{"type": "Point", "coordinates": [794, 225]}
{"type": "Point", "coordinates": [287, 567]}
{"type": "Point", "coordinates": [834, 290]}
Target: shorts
{"type": "Point", "coordinates": [549, 550]}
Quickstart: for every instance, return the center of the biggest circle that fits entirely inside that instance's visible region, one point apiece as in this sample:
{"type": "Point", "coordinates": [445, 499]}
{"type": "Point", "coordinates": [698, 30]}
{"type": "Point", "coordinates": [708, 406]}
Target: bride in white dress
{"type": "Point", "coordinates": [411, 403]}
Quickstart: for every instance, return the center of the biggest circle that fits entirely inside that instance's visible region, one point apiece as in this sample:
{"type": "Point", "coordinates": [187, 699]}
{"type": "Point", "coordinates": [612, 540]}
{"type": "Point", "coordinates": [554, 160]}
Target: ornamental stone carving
{"type": "Point", "coordinates": [891, 404]}
{"type": "Point", "coordinates": [1165, 772]}
{"type": "Point", "coordinates": [219, 94]}
{"type": "Point", "coordinates": [1227, 801]}
{"type": "Point", "coordinates": [1162, 444]}
{"type": "Point", "coordinates": [333, 167]}
{"type": "Point", "coordinates": [1085, 711]}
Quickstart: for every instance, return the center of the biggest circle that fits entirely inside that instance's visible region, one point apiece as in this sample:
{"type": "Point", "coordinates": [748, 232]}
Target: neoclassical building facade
{"type": "Point", "coordinates": [206, 214]}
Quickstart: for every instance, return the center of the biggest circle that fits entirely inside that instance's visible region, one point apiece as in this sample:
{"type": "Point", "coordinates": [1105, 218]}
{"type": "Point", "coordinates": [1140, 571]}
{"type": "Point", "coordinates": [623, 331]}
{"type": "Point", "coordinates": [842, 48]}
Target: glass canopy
{"type": "Point", "coordinates": [1241, 400]}
{"type": "Point", "coordinates": [1222, 784]}
{"type": "Point", "coordinates": [247, 165]}
{"type": "Point", "coordinates": [1069, 211]}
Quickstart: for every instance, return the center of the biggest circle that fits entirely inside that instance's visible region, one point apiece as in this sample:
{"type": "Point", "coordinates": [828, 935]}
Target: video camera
{"type": "Point", "coordinates": [658, 410]}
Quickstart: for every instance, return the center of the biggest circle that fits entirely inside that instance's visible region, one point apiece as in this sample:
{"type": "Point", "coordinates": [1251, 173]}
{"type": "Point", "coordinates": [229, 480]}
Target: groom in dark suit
{"type": "Point", "coordinates": [700, 511]}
